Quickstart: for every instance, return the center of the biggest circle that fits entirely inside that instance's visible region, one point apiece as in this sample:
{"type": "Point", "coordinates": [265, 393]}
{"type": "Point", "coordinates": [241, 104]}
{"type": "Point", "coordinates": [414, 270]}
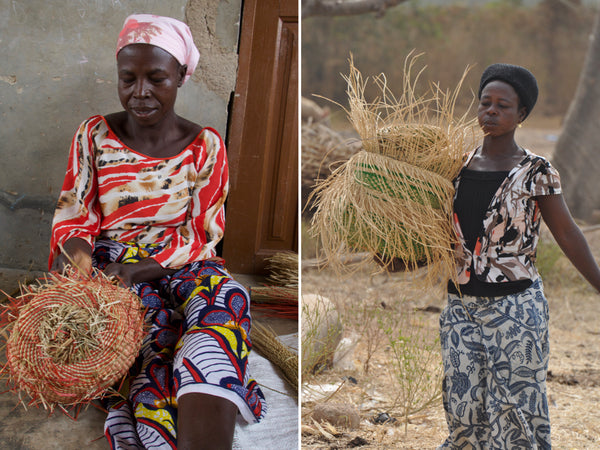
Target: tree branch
{"type": "Point", "coordinates": [312, 8]}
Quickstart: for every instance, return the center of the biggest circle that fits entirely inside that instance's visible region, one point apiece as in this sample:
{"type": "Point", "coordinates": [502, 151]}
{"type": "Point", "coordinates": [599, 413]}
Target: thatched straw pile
{"type": "Point", "coordinates": [70, 339]}
{"type": "Point", "coordinates": [394, 199]}
{"type": "Point", "coordinates": [283, 270]}
{"type": "Point", "coordinates": [277, 299]}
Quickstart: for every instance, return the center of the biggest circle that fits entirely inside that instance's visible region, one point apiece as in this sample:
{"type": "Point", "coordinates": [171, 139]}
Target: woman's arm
{"type": "Point", "coordinates": [569, 237]}
{"type": "Point", "coordinates": [77, 212]}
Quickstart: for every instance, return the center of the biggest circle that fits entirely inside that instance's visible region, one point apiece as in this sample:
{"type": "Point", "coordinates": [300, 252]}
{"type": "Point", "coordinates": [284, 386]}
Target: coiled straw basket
{"type": "Point", "coordinates": [71, 339]}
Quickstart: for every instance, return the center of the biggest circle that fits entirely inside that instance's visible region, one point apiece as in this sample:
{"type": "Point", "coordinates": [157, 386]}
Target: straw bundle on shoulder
{"type": "Point", "coordinates": [70, 339]}
{"type": "Point", "coordinates": [394, 199]}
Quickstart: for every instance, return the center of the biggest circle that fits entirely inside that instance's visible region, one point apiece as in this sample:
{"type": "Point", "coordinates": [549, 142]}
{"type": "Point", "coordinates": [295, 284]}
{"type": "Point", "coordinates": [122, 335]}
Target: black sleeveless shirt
{"type": "Point", "coordinates": [474, 195]}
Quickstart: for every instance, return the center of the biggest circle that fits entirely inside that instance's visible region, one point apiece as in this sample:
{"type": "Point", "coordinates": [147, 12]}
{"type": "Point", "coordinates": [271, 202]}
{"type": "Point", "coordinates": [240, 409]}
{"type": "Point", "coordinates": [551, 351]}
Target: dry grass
{"type": "Point", "coordinates": [279, 296]}
{"type": "Point", "coordinates": [283, 269]}
{"type": "Point", "coordinates": [372, 385]}
{"type": "Point", "coordinates": [282, 294]}
{"type": "Point", "coordinates": [264, 340]}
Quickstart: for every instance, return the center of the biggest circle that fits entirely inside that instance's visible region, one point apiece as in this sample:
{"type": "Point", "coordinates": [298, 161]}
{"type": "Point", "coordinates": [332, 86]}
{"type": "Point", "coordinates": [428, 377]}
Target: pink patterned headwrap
{"type": "Point", "coordinates": [167, 33]}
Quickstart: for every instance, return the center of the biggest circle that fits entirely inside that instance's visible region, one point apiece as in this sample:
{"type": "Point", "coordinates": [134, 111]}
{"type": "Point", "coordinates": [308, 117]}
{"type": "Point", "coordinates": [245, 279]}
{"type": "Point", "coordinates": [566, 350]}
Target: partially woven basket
{"type": "Point", "coordinates": [71, 338]}
{"type": "Point", "coordinates": [429, 147]}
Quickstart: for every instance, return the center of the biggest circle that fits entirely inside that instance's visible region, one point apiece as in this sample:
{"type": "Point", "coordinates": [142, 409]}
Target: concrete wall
{"type": "Point", "coordinates": [57, 67]}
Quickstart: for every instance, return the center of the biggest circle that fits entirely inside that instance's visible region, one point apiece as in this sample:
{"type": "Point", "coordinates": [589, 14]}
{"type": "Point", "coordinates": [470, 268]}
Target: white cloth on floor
{"type": "Point", "coordinates": [279, 428]}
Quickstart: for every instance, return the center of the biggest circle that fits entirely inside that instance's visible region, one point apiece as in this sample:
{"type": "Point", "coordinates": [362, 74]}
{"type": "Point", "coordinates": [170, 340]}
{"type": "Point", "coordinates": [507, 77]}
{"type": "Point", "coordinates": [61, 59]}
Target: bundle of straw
{"type": "Point", "coordinates": [265, 341]}
{"type": "Point", "coordinates": [283, 269]}
{"type": "Point", "coordinates": [71, 338]}
{"type": "Point", "coordinates": [394, 199]}
{"type": "Point", "coordinates": [279, 297]}
{"type": "Point", "coordinates": [322, 149]}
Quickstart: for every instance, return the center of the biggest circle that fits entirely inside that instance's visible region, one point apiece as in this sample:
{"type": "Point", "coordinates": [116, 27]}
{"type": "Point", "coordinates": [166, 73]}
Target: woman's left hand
{"type": "Point", "coordinates": [122, 272]}
{"type": "Point", "coordinates": [129, 274]}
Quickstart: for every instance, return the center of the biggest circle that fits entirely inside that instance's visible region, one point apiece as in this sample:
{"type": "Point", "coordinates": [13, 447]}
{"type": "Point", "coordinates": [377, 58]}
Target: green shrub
{"type": "Point", "coordinates": [548, 253]}
{"type": "Point", "coordinates": [416, 363]}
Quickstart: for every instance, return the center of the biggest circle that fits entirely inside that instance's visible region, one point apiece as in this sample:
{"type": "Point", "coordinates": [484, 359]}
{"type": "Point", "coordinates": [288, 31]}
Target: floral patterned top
{"type": "Point", "coordinates": [112, 191]}
{"type": "Point", "coordinates": [506, 249]}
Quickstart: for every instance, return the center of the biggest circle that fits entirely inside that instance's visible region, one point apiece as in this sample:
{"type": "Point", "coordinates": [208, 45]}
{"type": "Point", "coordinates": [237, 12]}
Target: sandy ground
{"type": "Point", "coordinates": [574, 369]}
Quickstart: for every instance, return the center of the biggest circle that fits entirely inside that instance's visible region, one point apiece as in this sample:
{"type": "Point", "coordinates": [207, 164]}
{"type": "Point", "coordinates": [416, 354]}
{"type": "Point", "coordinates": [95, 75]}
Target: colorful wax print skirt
{"type": "Point", "coordinates": [198, 341]}
{"type": "Point", "coordinates": [495, 353]}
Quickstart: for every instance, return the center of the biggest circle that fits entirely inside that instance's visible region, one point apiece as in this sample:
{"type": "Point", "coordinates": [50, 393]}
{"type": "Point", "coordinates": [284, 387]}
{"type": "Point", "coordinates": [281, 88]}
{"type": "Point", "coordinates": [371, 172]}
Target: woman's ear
{"type": "Point", "coordinates": [182, 72]}
{"type": "Point", "coordinates": [522, 113]}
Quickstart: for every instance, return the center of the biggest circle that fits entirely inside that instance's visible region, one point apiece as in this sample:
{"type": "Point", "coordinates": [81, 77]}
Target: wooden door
{"type": "Point", "coordinates": [262, 210]}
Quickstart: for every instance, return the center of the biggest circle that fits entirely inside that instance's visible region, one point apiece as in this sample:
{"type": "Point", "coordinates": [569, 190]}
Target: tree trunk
{"type": "Point", "coordinates": [577, 154]}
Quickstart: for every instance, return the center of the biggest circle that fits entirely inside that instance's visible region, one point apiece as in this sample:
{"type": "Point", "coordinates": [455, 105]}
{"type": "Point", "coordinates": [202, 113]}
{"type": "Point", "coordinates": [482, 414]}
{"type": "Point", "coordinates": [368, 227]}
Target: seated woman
{"type": "Point", "coordinates": [143, 201]}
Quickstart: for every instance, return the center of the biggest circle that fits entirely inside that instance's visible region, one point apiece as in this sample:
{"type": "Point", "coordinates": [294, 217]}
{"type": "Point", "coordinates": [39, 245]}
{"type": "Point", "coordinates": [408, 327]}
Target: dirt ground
{"type": "Point", "coordinates": [574, 368]}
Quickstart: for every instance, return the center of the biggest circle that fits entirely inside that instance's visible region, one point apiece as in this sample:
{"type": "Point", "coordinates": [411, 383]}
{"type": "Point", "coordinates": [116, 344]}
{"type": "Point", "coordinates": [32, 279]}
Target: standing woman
{"type": "Point", "coordinates": [494, 330]}
{"type": "Point", "coordinates": [143, 200]}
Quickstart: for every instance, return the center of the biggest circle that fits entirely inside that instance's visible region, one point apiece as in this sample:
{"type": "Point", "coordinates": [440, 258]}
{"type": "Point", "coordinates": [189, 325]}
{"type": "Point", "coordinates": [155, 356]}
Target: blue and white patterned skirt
{"type": "Point", "coordinates": [495, 353]}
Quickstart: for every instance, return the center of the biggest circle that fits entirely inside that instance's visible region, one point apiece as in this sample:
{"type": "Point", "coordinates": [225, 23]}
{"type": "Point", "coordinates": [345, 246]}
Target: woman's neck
{"type": "Point", "coordinates": [167, 139]}
{"type": "Point", "coordinates": [167, 130]}
{"type": "Point", "coordinates": [500, 148]}
{"type": "Point", "coordinates": [496, 154]}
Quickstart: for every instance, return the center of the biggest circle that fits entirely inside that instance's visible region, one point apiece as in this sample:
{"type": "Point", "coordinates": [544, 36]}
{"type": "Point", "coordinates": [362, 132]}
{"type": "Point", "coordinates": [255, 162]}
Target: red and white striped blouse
{"type": "Point", "coordinates": [112, 191]}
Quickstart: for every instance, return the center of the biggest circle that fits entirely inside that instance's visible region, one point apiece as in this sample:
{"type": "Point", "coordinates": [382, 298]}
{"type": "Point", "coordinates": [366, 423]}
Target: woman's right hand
{"type": "Point", "coordinates": [76, 253]}
{"type": "Point", "coordinates": [390, 264]}
{"type": "Point", "coordinates": [396, 264]}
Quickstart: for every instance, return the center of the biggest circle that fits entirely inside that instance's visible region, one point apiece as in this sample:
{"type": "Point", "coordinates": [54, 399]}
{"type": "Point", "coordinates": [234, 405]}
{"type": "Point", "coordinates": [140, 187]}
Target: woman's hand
{"type": "Point", "coordinates": [129, 274]}
{"type": "Point", "coordinates": [396, 264]}
{"type": "Point", "coordinates": [569, 237]}
{"type": "Point", "coordinates": [76, 253]}
{"type": "Point", "coordinates": [122, 272]}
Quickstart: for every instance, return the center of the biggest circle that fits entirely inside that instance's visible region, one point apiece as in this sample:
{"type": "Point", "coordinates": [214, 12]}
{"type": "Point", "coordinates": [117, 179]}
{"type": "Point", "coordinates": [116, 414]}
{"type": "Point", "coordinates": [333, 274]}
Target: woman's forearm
{"type": "Point", "coordinates": [569, 237]}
